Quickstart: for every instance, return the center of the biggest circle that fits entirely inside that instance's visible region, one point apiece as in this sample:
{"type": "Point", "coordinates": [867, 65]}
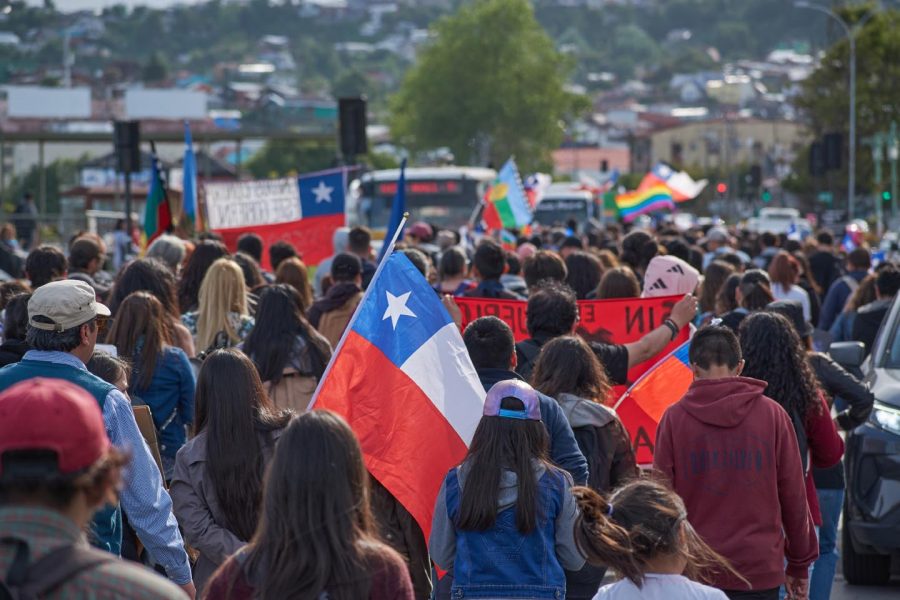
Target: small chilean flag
{"type": "Point", "coordinates": [402, 378]}
{"type": "Point", "coordinates": [643, 405]}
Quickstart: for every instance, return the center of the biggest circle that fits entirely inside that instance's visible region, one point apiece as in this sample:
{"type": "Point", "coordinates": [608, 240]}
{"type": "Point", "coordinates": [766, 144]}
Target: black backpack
{"type": "Point", "coordinates": [28, 580]}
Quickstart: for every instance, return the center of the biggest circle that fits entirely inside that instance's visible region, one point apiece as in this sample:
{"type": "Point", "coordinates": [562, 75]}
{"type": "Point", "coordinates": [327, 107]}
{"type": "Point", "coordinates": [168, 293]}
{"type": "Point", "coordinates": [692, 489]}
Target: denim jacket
{"type": "Point", "coordinates": [502, 562]}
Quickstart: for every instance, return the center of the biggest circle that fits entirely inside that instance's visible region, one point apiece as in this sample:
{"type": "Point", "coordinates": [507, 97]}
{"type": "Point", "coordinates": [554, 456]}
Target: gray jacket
{"type": "Point", "coordinates": [197, 507]}
{"type": "Point", "coordinates": [443, 533]}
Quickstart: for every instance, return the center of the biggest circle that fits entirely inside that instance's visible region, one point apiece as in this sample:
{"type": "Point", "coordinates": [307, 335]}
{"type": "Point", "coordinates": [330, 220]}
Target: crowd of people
{"type": "Point", "coordinates": [235, 490]}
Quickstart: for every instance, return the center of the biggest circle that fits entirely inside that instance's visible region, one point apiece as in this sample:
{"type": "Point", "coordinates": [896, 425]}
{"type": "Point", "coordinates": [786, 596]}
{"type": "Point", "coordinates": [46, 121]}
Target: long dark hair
{"type": "Point", "coordinates": [147, 275]}
{"type": "Point", "coordinates": [233, 409]}
{"type": "Point", "coordinates": [502, 444]}
{"type": "Point", "coordinates": [205, 254]}
{"type": "Point", "coordinates": [714, 278]}
{"type": "Point", "coordinates": [726, 300]}
{"type": "Point", "coordinates": [279, 320]}
{"type": "Point", "coordinates": [140, 321]}
{"type": "Point", "coordinates": [774, 353]}
{"type": "Point", "coordinates": [316, 527]}
{"type": "Point", "coordinates": [567, 365]}
{"type": "Point", "coordinates": [756, 290]}
{"type": "Point", "coordinates": [584, 273]}
{"type": "Point", "coordinates": [638, 523]}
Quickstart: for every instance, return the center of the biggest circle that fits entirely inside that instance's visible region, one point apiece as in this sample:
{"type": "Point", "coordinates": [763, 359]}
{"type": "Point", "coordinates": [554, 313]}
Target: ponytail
{"type": "Point", "coordinates": [600, 539]}
{"type": "Point", "coordinates": [642, 520]}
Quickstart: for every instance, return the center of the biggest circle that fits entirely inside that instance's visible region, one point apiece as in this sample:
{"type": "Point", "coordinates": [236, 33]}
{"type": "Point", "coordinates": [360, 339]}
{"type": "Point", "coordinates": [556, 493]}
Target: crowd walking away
{"type": "Point", "coordinates": [488, 430]}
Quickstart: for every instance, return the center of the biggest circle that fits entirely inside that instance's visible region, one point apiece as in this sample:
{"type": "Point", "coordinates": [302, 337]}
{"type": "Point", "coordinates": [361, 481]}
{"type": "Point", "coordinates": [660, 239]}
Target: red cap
{"type": "Point", "coordinates": [51, 414]}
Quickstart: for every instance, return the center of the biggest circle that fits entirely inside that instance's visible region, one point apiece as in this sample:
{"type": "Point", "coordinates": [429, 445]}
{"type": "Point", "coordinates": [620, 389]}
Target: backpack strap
{"type": "Point", "coordinates": [34, 580]}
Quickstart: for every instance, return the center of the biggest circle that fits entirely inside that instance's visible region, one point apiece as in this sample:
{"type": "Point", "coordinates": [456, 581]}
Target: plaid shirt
{"type": "Point", "coordinates": [45, 530]}
{"type": "Point", "coordinates": [144, 499]}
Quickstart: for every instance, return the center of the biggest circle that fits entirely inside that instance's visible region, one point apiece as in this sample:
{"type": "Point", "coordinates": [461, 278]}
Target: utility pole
{"type": "Point", "coordinates": [893, 151]}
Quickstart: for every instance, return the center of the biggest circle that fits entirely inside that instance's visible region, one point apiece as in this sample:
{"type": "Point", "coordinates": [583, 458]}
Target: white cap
{"type": "Point", "coordinates": [67, 303]}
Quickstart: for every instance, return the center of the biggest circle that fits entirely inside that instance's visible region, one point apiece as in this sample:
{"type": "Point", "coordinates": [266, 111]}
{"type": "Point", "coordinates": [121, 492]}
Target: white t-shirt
{"type": "Point", "coordinates": [660, 587]}
{"type": "Point", "coordinates": [797, 294]}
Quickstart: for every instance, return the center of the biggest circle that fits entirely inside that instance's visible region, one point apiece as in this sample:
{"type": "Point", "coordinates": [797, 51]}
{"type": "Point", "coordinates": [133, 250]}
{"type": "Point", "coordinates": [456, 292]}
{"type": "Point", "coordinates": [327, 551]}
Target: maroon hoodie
{"type": "Point", "coordinates": [731, 454]}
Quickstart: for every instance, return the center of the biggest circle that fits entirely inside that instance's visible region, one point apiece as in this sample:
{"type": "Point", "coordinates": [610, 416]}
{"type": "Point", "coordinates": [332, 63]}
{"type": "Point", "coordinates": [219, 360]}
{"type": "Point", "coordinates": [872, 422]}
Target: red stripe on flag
{"type": "Point", "coordinates": [408, 445]}
{"type": "Point", "coordinates": [312, 237]}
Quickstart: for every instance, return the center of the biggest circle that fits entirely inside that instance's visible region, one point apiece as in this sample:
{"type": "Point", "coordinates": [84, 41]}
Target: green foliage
{"type": "Point", "coordinates": [156, 69]}
{"type": "Point", "coordinates": [59, 175]}
{"type": "Point", "coordinates": [280, 158]}
{"type": "Point", "coordinates": [490, 86]}
{"type": "Point", "coordinates": [825, 95]}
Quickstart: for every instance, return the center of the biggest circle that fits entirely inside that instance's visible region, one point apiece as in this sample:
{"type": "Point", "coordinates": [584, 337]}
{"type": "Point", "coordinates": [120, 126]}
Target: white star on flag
{"type": "Point", "coordinates": [322, 192]}
{"type": "Point", "coordinates": [397, 308]}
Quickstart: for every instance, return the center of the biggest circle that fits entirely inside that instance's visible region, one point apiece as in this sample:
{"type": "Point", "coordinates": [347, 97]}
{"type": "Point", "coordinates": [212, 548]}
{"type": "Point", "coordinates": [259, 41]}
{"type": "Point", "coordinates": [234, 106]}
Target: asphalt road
{"type": "Point", "coordinates": [842, 591]}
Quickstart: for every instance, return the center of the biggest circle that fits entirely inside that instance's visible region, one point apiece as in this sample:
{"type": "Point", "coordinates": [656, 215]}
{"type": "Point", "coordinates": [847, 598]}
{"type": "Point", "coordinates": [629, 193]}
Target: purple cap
{"type": "Point", "coordinates": [513, 388]}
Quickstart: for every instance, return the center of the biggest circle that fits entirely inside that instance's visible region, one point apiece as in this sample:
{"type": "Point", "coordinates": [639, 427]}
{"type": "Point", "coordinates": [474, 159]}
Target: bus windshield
{"type": "Point", "coordinates": [552, 212]}
{"type": "Point", "coordinates": [447, 203]}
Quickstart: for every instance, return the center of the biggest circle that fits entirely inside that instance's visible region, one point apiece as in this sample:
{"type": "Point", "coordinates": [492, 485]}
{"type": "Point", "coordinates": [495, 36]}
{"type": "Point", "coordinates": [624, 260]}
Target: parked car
{"type": "Point", "coordinates": [871, 532]}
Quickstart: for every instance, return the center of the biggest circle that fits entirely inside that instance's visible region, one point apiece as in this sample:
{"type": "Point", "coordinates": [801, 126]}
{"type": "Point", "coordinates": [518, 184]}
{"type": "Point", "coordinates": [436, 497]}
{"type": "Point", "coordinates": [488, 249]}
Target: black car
{"type": "Point", "coordinates": [871, 532]}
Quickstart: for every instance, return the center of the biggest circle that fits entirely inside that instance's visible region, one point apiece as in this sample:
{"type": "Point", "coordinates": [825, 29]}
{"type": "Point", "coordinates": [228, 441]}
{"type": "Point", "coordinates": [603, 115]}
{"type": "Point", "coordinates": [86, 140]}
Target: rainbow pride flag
{"type": "Point", "coordinates": [642, 201]}
{"type": "Point", "coordinates": [506, 204]}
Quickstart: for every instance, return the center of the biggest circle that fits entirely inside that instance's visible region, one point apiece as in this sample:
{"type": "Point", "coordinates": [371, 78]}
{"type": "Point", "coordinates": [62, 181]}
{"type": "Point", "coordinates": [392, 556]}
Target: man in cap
{"type": "Point", "coordinates": [718, 242]}
{"type": "Point", "coordinates": [64, 319]}
{"type": "Point", "coordinates": [57, 467]}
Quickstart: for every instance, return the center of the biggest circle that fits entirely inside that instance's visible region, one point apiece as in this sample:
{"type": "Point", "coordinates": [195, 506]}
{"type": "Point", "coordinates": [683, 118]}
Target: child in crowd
{"type": "Point", "coordinates": [504, 519]}
{"type": "Point", "coordinates": [642, 533]}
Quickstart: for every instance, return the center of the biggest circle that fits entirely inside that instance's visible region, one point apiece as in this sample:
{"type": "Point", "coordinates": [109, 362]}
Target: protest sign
{"type": "Point", "coordinates": [618, 321]}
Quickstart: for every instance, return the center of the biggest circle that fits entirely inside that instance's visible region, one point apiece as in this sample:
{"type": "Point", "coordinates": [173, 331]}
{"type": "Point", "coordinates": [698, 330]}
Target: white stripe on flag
{"type": "Point", "coordinates": [440, 367]}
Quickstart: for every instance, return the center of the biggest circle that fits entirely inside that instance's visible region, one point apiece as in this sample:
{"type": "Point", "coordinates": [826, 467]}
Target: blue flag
{"type": "Point", "coordinates": [398, 208]}
{"type": "Point", "coordinates": [189, 181]}
{"type": "Point", "coordinates": [322, 193]}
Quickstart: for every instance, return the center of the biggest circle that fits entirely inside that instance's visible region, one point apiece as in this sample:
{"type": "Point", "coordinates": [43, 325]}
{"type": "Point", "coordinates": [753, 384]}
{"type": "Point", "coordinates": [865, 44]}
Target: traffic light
{"type": "Point", "coordinates": [885, 196]}
{"type": "Point", "coordinates": [722, 188]}
{"type": "Point", "coordinates": [766, 195]}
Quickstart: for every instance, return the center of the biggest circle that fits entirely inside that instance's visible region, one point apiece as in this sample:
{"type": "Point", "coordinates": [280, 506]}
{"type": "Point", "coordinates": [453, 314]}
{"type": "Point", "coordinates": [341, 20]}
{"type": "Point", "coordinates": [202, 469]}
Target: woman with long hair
{"type": "Point", "coordinates": [162, 377]}
{"type": "Point", "coordinates": [753, 293]}
{"type": "Point", "coordinates": [784, 273]}
{"type": "Point", "coordinates": [642, 532]}
{"type": "Point", "coordinates": [583, 273]}
{"type": "Point", "coordinates": [289, 354]}
{"type": "Point", "coordinates": [506, 494]}
{"type": "Point", "coordinates": [293, 271]}
{"type": "Point", "coordinates": [569, 371]}
{"type": "Point", "coordinates": [217, 487]}
{"type": "Point", "coordinates": [714, 278]}
{"type": "Point", "coordinates": [452, 269]}
{"type": "Point", "coordinates": [726, 300]}
{"type": "Point", "coordinates": [204, 255]}
{"type": "Point", "coordinates": [773, 353]}
{"type": "Point", "coordinates": [618, 282]}
{"type": "Point", "coordinates": [223, 307]}
{"type": "Point", "coordinates": [638, 249]}
{"type": "Point", "coordinates": [316, 536]}
{"type": "Point", "coordinates": [842, 329]}
{"type": "Point", "coordinates": [151, 275]}
{"type": "Point", "coordinates": [808, 283]}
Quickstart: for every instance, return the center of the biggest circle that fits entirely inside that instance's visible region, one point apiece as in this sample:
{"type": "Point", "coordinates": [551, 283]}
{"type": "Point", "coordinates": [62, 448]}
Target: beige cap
{"type": "Point", "coordinates": [68, 303]}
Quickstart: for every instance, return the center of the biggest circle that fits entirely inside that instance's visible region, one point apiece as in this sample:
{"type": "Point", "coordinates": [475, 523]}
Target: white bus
{"type": "Point", "coordinates": [442, 196]}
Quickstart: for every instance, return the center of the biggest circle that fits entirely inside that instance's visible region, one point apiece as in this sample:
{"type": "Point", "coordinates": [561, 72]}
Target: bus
{"type": "Point", "coordinates": [564, 202]}
{"type": "Point", "coordinates": [442, 196]}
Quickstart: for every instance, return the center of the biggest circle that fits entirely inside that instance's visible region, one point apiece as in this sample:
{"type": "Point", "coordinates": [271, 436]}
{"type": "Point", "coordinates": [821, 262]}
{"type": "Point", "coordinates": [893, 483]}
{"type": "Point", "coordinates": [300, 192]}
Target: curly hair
{"type": "Point", "coordinates": [773, 352]}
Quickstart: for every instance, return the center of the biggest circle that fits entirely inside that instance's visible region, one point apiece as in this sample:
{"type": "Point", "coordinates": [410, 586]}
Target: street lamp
{"type": "Point", "coordinates": [851, 184]}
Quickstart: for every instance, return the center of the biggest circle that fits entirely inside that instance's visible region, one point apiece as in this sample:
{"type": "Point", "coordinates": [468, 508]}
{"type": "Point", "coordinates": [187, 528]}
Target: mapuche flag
{"type": "Point", "coordinates": [506, 205]}
{"type": "Point", "coordinates": [157, 214]}
{"type": "Point", "coordinates": [403, 380]}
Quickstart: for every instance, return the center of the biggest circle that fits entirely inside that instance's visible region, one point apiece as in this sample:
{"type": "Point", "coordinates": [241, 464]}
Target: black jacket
{"type": "Point", "coordinates": [837, 382]}
{"type": "Point", "coordinates": [868, 321]}
{"type": "Point", "coordinates": [12, 351]}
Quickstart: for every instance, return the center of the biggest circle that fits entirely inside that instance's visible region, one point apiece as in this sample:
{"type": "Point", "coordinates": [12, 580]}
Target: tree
{"type": "Point", "coordinates": [825, 99]}
{"type": "Point", "coordinates": [489, 86]}
{"type": "Point", "coordinates": [282, 157]}
{"type": "Point", "coordinates": [155, 69]}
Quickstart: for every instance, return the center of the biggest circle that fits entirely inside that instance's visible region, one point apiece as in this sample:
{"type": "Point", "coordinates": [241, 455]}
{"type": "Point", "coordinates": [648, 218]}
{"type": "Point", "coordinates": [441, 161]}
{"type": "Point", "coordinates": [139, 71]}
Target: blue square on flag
{"type": "Point", "coordinates": [322, 193]}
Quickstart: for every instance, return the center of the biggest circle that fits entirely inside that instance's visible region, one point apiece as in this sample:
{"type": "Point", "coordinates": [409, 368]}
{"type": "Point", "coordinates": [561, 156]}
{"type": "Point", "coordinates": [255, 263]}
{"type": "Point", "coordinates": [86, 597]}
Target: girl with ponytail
{"type": "Point", "coordinates": [642, 533]}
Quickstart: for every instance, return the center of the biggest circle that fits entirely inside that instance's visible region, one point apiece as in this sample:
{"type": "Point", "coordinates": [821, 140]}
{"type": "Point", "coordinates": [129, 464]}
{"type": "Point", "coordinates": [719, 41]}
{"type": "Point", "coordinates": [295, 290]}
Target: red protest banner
{"type": "Point", "coordinates": [618, 321]}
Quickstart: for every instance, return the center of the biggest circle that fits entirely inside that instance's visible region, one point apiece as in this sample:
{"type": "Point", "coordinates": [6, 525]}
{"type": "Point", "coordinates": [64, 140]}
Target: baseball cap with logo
{"type": "Point", "coordinates": [513, 388]}
{"type": "Point", "coordinates": [669, 276]}
{"type": "Point", "coordinates": [52, 415]}
{"type": "Point", "coordinates": [64, 304]}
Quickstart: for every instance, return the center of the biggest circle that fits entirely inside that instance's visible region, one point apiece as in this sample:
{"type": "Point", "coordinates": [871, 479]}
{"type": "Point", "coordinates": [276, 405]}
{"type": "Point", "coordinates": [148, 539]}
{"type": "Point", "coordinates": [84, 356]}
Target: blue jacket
{"type": "Point", "coordinates": [836, 298]}
{"type": "Point", "coordinates": [502, 562]}
{"type": "Point", "coordinates": [170, 393]}
{"type": "Point", "coordinates": [564, 450]}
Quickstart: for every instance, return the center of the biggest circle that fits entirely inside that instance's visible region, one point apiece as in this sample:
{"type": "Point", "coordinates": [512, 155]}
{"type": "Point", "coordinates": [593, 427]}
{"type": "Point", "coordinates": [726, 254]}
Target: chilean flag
{"type": "Point", "coordinates": [403, 380]}
{"type": "Point", "coordinates": [643, 405]}
{"type": "Point", "coordinates": [322, 211]}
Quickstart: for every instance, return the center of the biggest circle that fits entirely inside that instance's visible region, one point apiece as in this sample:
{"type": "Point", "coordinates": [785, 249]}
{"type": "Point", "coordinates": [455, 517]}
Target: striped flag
{"type": "Point", "coordinates": [506, 205]}
{"type": "Point", "coordinates": [189, 183]}
{"type": "Point", "coordinates": [157, 213]}
{"type": "Point", "coordinates": [403, 380]}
